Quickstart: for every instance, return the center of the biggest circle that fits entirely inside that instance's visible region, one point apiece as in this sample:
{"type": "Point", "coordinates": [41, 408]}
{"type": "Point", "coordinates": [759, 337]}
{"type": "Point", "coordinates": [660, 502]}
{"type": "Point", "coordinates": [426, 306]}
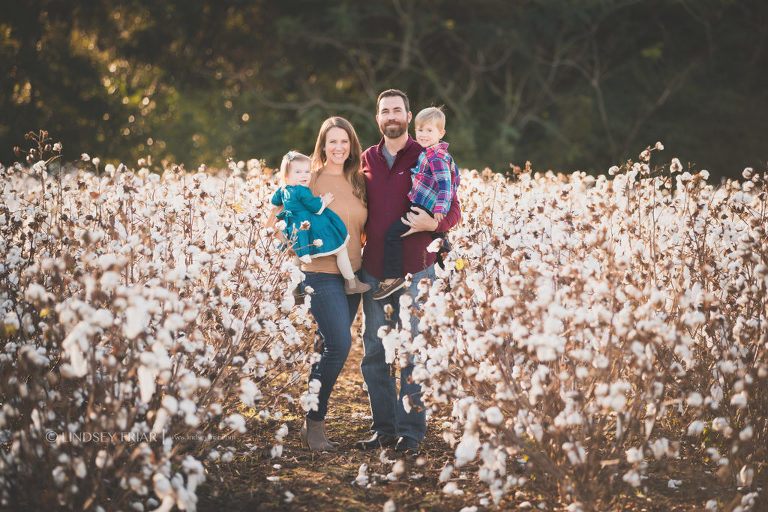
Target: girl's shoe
{"type": "Point", "coordinates": [313, 436]}
{"type": "Point", "coordinates": [352, 286]}
{"type": "Point", "coordinates": [388, 287]}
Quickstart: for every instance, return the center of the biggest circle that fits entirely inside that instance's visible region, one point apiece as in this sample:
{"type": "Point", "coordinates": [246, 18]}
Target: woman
{"type": "Point", "coordinates": [336, 169]}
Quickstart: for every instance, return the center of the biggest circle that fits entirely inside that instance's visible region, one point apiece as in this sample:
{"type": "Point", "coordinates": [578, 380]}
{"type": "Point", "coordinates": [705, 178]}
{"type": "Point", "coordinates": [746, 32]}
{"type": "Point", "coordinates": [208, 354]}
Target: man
{"type": "Point", "coordinates": [387, 168]}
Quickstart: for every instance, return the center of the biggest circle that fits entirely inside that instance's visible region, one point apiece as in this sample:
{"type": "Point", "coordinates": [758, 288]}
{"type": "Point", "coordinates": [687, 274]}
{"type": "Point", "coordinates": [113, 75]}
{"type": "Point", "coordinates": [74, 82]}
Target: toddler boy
{"type": "Point", "coordinates": [435, 180]}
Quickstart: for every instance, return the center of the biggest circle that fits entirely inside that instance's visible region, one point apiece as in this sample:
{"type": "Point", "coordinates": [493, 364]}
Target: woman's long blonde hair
{"type": "Point", "coordinates": [352, 165]}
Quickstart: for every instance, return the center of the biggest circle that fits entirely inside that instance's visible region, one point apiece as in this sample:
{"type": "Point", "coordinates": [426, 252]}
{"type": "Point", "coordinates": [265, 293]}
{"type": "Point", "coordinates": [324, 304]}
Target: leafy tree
{"type": "Point", "coordinates": [564, 84]}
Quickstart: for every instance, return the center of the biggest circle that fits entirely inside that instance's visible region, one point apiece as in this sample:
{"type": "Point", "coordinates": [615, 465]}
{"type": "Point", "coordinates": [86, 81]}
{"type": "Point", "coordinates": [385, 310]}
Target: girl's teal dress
{"type": "Point", "coordinates": [299, 205]}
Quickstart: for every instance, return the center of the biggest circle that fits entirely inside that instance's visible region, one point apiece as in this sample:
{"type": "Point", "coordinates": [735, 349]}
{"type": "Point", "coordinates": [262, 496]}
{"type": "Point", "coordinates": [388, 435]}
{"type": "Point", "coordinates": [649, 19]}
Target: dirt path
{"type": "Point", "coordinates": [324, 481]}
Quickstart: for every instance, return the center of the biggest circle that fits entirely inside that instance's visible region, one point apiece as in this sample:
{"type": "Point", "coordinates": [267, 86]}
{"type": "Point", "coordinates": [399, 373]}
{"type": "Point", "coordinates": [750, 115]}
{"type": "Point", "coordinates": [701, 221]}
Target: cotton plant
{"type": "Point", "coordinates": [150, 307]}
{"type": "Point", "coordinates": [591, 325]}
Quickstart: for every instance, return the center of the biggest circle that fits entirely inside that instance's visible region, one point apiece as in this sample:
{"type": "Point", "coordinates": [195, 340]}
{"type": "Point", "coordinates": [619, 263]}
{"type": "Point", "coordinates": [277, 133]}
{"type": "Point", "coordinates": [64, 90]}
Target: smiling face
{"type": "Point", "coordinates": [428, 134]}
{"type": "Point", "coordinates": [298, 173]}
{"type": "Point", "coordinates": [337, 146]}
{"type": "Point", "coordinates": [392, 117]}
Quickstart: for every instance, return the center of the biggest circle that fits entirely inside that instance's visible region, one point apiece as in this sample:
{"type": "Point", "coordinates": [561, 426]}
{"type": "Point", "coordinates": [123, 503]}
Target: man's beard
{"type": "Point", "coordinates": [393, 129]}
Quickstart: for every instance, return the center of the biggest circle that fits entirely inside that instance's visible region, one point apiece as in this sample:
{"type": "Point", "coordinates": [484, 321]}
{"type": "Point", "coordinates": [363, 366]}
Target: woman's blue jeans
{"type": "Point", "coordinates": [334, 312]}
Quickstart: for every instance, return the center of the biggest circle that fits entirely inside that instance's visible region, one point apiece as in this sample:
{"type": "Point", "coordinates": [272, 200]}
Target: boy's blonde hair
{"type": "Point", "coordinates": [288, 160]}
{"type": "Point", "coordinates": [431, 115]}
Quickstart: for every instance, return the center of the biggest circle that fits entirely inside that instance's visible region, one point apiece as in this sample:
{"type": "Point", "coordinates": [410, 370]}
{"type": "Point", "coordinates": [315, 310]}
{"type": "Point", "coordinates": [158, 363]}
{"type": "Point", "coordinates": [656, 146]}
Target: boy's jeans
{"type": "Point", "coordinates": [389, 416]}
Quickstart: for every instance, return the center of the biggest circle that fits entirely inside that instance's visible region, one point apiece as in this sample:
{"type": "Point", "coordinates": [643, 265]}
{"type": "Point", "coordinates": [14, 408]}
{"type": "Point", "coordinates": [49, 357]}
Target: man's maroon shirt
{"type": "Point", "coordinates": [387, 191]}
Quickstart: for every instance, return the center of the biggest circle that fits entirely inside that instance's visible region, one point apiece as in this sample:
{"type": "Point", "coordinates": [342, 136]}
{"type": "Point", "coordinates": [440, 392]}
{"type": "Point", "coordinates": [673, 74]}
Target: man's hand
{"type": "Point", "coordinates": [419, 220]}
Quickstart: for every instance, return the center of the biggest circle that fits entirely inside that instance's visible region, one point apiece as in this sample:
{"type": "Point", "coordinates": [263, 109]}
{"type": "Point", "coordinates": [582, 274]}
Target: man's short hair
{"type": "Point", "coordinates": [431, 115]}
{"type": "Point", "coordinates": [393, 92]}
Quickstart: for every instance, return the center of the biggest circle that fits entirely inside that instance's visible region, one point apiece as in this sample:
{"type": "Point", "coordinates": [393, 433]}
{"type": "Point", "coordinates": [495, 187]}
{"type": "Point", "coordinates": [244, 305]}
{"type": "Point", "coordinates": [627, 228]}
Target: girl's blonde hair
{"type": "Point", "coordinates": [288, 160]}
{"type": "Point", "coordinates": [353, 171]}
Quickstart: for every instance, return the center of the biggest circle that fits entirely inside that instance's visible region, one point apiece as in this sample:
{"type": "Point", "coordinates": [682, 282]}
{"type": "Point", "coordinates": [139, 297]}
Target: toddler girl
{"type": "Point", "coordinates": [312, 230]}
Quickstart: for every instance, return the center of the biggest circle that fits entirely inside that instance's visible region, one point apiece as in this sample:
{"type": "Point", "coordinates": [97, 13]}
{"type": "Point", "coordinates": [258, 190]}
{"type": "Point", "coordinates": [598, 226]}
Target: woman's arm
{"type": "Point", "coordinates": [272, 220]}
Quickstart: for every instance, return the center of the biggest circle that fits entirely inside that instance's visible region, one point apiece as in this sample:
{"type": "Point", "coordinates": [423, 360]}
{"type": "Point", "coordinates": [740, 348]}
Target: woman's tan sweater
{"type": "Point", "coordinates": [352, 212]}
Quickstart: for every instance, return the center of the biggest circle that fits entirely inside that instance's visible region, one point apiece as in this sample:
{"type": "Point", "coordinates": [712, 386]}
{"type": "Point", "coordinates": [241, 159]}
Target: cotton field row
{"type": "Point", "coordinates": [593, 329]}
{"type": "Point", "coordinates": [145, 310]}
{"type": "Point", "coordinates": [584, 331]}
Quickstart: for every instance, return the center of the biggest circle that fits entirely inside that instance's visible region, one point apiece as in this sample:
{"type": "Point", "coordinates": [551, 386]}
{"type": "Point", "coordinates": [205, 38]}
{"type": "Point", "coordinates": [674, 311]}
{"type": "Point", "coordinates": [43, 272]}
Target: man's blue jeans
{"type": "Point", "coordinates": [389, 416]}
{"type": "Point", "coordinates": [334, 313]}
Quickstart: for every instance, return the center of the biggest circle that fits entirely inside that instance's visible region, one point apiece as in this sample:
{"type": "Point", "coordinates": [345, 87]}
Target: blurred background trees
{"type": "Point", "coordinates": [567, 85]}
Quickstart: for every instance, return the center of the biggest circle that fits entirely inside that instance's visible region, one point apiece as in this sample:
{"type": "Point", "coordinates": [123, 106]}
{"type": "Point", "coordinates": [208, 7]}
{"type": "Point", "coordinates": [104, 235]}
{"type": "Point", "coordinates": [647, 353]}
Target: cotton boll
{"type": "Point", "coordinates": [467, 449]}
{"type": "Point", "coordinates": [634, 455]}
{"type": "Point", "coordinates": [722, 425]}
{"type": "Point", "coordinates": [407, 404]}
{"type": "Point", "coordinates": [362, 476]}
{"type": "Point", "coordinates": [59, 476]}
{"type": "Point", "coordinates": [660, 448]}
{"type": "Point", "coordinates": [161, 419]}
{"type": "Point", "coordinates": [249, 392]}
{"type": "Point", "coordinates": [188, 408]}
{"type": "Point", "coordinates": [632, 478]}
{"type": "Point", "coordinates": [136, 320]}
{"type": "Point", "coordinates": [745, 476]}
{"type": "Point", "coordinates": [694, 399]}
{"type": "Point", "coordinates": [171, 404]}
{"type": "Point", "coordinates": [494, 416]}
{"type": "Point", "coordinates": [309, 401]}
{"type": "Point", "coordinates": [146, 376]}
{"type": "Point", "coordinates": [450, 488]}
{"type": "Point", "coordinates": [110, 281]}
{"type": "Point", "coordinates": [281, 433]}
{"type": "Point", "coordinates": [739, 400]}
{"type": "Point", "coordinates": [746, 433]}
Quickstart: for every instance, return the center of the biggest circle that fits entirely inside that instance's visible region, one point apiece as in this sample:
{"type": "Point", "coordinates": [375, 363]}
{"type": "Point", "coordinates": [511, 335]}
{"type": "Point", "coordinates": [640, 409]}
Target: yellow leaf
{"type": "Point", "coordinates": [237, 207]}
{"type": "Point", "coordinates": [45, 312]}
{"type": "Point", "coordinates": [460, 263]}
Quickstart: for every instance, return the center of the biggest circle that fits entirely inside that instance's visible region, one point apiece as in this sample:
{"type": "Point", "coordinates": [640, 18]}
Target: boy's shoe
{"type": "Point", "coordinates": [352, 287]}
{"type": "Point", "coordinates": [388, 287]}
{"type": "Point", "coordinates": [443, 251]}
{"type": "Point", "coordinates": [408, 445]}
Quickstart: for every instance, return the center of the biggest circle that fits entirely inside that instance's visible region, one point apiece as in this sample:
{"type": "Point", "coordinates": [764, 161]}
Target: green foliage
{"type": "Point", "coordinates": [563, 84]}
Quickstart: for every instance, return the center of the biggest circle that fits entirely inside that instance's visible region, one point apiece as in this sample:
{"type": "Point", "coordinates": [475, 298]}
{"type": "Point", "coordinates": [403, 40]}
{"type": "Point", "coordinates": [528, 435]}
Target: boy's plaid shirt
{"type": "Point", "coordinates": [435, 179]}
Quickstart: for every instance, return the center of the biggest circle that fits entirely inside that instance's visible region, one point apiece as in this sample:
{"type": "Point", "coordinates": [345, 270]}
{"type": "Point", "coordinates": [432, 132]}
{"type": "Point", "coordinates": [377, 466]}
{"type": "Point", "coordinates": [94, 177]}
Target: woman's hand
{"type": "Point", "coordinates": [419, 220]}
{"type": "Point", "coordinates": [272, 220]}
